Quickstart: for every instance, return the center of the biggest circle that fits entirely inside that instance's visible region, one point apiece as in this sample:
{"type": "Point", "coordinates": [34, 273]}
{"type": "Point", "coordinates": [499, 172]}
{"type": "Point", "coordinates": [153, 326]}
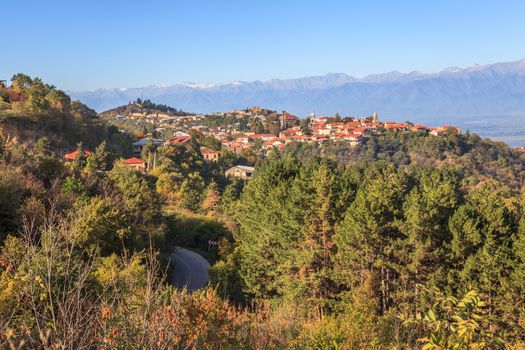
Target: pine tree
{"type": "Point", "coordinates": [98, 160]}
{"type": "Point", "coordinates": [312, 192]}
{"type": "Point", "coordinates": [427, 209]}
{"type": "Point", "coordinates": [366, 237]}
{"type": "Point", "coordinates": [80, 161]}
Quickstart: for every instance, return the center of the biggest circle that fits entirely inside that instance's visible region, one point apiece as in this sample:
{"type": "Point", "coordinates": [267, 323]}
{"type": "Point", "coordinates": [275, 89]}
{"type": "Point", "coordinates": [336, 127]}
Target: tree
{"type": "Point", "coordinates": [11, 195]}
{"type": "Point", "coordinates": [314, 253]}
{"type": "Point", "coordinates": [36, 98]}
{"type": "Point", "coordinates": [140, 205]}
{"type": "Point", "coordinates": [212, 199]}
{"type": "Point", "coordinates": [483, 230]}
{"type": "Point", "coordinates": [268, 229]}
{"type": "Point", "coordinates": [21, 81]}
{"type": "Point", "coordinates": [80, 161]}
{"type": "Point", "coordinates": [191, 191]}
{"type": "Point", "coordinates": [58, 100]}
{"type": "Point", "coordinates": [98, 160]}
{"type": "Point", "coordinates": [367, 235]}
{"type": "Point", "coordinates": [427, 209]}
{"type": "Point", "coordinates": [98, 225]}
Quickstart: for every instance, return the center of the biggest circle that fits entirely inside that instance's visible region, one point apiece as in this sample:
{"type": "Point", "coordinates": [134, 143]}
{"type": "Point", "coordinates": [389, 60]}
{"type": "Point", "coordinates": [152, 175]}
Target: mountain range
{"type": "Point", "coordinates": [493, 89]}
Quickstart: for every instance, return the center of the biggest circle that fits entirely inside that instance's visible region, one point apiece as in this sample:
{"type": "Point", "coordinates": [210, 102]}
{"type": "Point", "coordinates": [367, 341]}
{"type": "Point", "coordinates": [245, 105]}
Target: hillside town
{"type": "Point", "coordinates": [253, 129]}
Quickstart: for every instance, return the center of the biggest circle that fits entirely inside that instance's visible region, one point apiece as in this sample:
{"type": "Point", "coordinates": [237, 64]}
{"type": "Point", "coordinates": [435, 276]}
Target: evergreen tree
{"type": "Point", "coordinates": [98, 160]}
{"type": "Point", "coordinates": [367, 236]}
{"type": "Point", "coordinates": [80, 161]}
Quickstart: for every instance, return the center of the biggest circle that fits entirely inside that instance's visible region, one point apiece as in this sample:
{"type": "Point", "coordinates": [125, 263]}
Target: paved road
{"type": "Point", "coordinates": [190, 270]}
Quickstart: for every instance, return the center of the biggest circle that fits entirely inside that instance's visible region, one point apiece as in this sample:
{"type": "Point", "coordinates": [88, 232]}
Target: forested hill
{"type": "Point", "coordinates": [144, 107]}
{"type": "Point", "coordinates": [480, 161]}
{"type": "Point", "coordinates": [31, 110]}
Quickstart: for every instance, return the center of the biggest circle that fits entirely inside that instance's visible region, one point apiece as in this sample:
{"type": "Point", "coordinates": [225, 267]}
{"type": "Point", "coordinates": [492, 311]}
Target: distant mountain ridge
{"type": "Point", "coordinates": [493, 89]}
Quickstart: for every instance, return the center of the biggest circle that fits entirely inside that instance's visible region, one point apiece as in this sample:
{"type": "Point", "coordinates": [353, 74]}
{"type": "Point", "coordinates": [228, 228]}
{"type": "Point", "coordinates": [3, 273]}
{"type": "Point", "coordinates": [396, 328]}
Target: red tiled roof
{"type": "Point", "coordinates": [289, 131]}
{"type": "Point", "coordinates": [256, 136]}
{"type": "Point", "coordinates": [395, 126]}
{"type": "Point", "coordinates": [208, 151]}
{"type": "Point", "coordinates": [360, 130]}
{"type": "Point", "coordinates": [74, 155]}
{"type": "Point", "coordinates": [133, 160]}
{"type": "Point", "coordinates": [181, 139]}
{"type": "Point", "coordinates": [352, 125]}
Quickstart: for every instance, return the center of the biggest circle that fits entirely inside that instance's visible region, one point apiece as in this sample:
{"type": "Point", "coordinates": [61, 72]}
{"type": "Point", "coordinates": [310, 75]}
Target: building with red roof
{"type": "Point", "coordinates": [73, 155]}
{"type": "Point", "coordinates": [136, 163]}
{"type": "Point", "coordinates": [441, 130]}
{"type": "Point", "coordinates": [287, 120]}
{"type": "Point", "coordinates": [210, 155]}
{"type": "Point", "coordinates": [290, 132]}
{"type": "Point", "coordinates": [420, 128]}
{"type": "Point", "coordinates": [181, 140]}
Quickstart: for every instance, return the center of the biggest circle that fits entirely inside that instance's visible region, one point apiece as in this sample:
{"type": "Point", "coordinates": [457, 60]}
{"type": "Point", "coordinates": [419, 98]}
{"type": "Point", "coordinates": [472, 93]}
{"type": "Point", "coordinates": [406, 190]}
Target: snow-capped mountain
{"type": "Point", "coordinates": [476, 90]}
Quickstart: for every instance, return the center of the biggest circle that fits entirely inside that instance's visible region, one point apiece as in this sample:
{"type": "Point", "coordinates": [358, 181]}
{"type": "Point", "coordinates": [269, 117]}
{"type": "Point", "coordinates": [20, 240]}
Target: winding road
{"type": "Point", "coordinates": [190, 270]}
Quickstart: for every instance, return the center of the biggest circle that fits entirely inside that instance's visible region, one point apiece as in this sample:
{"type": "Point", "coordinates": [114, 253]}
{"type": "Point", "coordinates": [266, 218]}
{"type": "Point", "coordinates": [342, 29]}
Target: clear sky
{"type": "Point", "coordinates": [88, 44]}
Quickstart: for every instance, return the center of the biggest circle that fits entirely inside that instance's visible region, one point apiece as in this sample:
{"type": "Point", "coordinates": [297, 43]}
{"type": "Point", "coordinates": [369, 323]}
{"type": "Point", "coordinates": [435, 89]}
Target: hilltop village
{"type": "Point", "coordinates": [253, 129]}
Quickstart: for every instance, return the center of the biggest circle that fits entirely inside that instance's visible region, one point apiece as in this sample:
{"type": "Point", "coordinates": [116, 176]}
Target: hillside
{"type": "Point", "coordinates": [31, 110]}
{"type": "Point", "coordinates": [144, 107]}
{"type": "Point", "coordinates": [480, 161]}
{"type": "Point", "coordinates": [403, 236]}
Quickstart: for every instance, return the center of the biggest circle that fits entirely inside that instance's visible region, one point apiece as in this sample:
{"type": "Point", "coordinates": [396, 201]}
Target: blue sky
{"type": "Point", "coordinates": [83, 44]}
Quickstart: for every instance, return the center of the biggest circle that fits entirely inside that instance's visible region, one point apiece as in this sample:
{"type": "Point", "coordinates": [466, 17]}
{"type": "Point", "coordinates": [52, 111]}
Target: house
{"type": "Point", "coordinates": [244, 139]}
{"type": "Point", "coordinates": [181, 134]}
{"type": "Point", "coordinates": [353, 139]}
{"type": "Point", "coordinates": [138, 145]}
{"type": "Point", "coordinates": [210, 155]}
{"type": "Point", "coordinates": [419, 128]}
{"type": "Point", "coordinates": [136, 163]}
{"type": "Point", "coordinates": [236, 147]}
{"type": "Point", "coordinates": [298, 138]}
{"type": "Point", "coordinates": [441, 130]}
{"type": "Point", "coordinates": [320, 139]}
{"type": "Point", "coordinates": [264, 137]}
{"type": "Point", "coordinates": [286, 120]}
{"type": "Point", "coordinates": [395, 126]}
{"type": "Point", "coordinates": [295, 131]}
{"type": "Point", "coordinates": [321, 130]}
{"type": "Point", "coordinates": [70, 157]}
{"type": "Point", "coordinates": [363, 131]}
{"type": "Point", "coordinates": [179, 140]}
{"type": "Point", "coordinates": [275, 142]}
{"type": "Point", "coordinates": [242, 171]}
{"type": "Point", "coordinates": [319, 121]}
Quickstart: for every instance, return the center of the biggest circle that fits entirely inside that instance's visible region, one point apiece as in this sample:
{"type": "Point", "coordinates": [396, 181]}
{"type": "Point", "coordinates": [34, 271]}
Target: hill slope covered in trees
{"type": "Point", "coordinates": [405, 241]}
